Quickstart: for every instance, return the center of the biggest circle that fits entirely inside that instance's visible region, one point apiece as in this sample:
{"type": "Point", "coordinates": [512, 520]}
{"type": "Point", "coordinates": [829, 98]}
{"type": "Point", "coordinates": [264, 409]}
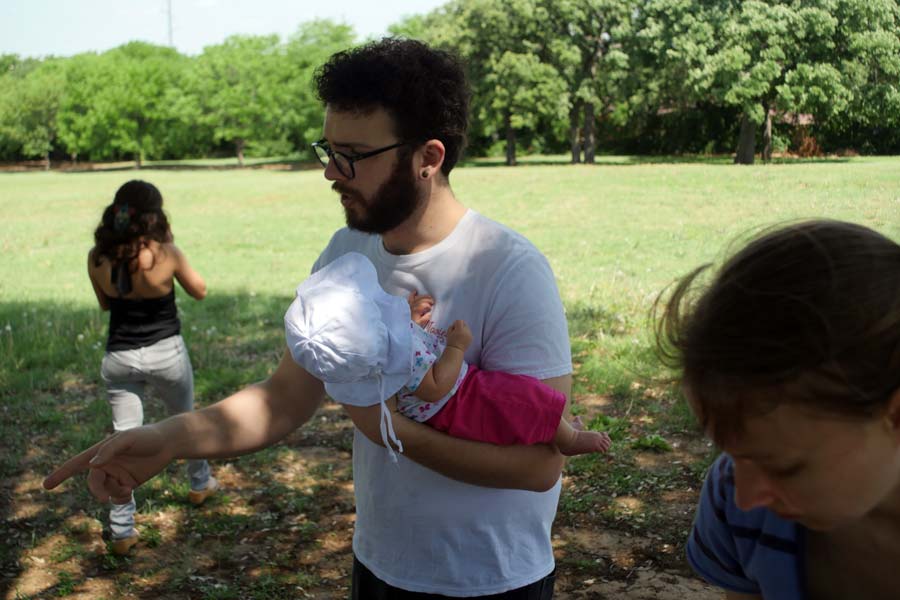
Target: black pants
{"type": "Point", "coordinates": [368, 587]}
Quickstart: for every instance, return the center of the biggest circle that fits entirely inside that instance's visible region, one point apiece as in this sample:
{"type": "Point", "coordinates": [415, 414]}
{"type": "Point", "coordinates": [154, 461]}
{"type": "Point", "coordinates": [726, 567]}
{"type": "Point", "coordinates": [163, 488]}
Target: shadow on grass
{"type": "Point", "coordinates": [284, 521]}
{"type": "Point", "coordinates": [53, 406]}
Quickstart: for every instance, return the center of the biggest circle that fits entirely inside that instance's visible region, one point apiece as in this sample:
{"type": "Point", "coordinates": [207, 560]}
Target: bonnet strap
{"type": "Point", "coordinates": [386, 424]}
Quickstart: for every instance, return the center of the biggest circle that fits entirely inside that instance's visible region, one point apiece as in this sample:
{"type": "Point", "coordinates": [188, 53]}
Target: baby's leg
{"type": "Point", "coordinates": [573, 438]}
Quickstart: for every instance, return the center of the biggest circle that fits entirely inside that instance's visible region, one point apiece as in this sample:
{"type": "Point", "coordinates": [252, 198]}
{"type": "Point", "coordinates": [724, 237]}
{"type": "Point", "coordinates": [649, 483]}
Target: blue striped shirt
{"type": "Point", "coordinates": [752, 552]}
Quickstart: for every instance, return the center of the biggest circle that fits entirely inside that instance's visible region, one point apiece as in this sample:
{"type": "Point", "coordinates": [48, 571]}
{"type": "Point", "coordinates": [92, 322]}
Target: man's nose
{"type": "Point", "coordinates": [332, 173]}
{"type": "Point", "coordinates": [752, 487]}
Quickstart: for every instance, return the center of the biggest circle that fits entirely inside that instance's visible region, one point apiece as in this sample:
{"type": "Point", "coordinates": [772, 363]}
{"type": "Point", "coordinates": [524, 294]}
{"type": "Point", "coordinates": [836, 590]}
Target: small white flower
{"type": "Point", "coordinates": [80, 337]}
{"type": "Point", "coordinates": [49, 323]}
{"type": "Point", "coordinates": [8, 327]}
{"type": "Point", "coordinates": [193, 328]}
{"type": "Point", "coordinates": [253, 294]}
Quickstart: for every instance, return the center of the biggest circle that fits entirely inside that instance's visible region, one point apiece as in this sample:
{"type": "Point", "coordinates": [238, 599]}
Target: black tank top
{"type": "Point", "coordinates": [138, 323]}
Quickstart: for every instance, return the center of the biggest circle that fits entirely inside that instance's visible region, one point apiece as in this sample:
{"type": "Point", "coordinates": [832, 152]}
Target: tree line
{"type": "Point", "coordinates": [577, 76]}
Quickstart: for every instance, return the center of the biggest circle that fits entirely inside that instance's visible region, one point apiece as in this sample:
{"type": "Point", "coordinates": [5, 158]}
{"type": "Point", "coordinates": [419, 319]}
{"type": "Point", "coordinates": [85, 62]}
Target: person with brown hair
{"type": "Point", "coordinates": [790, 359]}
{"type": "Point", "coordinates": [396, 114]}
{"type": "Point", "coordinates": [133, 267]}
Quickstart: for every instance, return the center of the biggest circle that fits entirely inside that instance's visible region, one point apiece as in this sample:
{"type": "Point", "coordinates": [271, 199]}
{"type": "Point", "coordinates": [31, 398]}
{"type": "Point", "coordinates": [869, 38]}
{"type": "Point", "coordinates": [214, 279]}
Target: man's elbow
{"type": "Point", "coordinates": [547, 475]}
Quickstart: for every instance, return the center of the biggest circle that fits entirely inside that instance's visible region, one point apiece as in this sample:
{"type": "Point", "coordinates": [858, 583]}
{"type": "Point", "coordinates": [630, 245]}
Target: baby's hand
{"type": "Point", "coordinates": [459, 335]}
{"type": "Point", "coordinates": [420, 307]}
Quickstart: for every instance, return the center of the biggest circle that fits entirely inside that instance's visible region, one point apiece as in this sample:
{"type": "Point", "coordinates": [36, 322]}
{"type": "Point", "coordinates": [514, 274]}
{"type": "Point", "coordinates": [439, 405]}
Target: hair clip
{"type": "Point", "coordinates": [123, 218]}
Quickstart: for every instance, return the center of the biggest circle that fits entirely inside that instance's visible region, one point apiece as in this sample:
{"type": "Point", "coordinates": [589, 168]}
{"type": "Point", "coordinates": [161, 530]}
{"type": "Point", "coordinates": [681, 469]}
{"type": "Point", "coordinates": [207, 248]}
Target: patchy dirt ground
{"type": "Point", "coordinates": [282, 528]}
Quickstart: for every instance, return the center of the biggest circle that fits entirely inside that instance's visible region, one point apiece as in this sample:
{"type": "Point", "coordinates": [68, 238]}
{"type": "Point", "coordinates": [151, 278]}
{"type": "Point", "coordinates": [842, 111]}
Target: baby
{"type": "Point", "coordinates": [367, 345]}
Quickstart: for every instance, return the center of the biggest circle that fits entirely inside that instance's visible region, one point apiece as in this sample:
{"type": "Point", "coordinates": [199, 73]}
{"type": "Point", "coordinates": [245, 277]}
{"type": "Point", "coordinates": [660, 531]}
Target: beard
{"type": "Point", "coordinates": [392, 204]}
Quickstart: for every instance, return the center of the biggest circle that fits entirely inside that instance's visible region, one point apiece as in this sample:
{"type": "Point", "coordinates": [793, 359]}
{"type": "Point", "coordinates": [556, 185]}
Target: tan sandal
{"type": "Point", "coordinates": [198, 497]}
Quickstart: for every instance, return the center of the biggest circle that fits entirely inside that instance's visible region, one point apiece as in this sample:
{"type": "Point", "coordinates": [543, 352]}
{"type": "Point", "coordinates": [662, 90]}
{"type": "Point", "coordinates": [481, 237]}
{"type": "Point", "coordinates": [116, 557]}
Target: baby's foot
{"type": "Point", "coordinates": [584, 441]}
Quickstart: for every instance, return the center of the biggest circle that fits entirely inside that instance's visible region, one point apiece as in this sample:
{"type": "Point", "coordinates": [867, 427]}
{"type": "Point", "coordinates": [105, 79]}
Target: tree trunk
{"type": "Point", "coordinates": [239, 144]}
{"type": "Point", "coordinates": [574, 133]}
{"type": "Point", "coordinates": [510, 142]}
{"type": "Point", "coordinates": [746, 149]}
{"type": "Point", "coordinates": [589, 133]}
{"type": "Point", "coordinates": [767, 137]}
{"type": "Point", "coordinates": [138, 159]}
{"type": "Point", "coordinates": [47, 160]}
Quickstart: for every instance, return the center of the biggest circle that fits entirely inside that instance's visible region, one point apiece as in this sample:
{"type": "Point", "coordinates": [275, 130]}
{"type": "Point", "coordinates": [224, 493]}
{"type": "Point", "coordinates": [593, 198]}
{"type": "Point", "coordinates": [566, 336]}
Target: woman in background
{"type": "Point", "coordinates": [133, 267]}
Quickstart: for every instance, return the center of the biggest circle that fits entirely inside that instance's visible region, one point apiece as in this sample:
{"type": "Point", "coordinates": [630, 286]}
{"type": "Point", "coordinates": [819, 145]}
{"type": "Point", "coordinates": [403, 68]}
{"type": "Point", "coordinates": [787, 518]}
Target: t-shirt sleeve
{"type": "Point", "coordinates": [525, 328]}
{"type": "Point", "coordinates": [711, 548]}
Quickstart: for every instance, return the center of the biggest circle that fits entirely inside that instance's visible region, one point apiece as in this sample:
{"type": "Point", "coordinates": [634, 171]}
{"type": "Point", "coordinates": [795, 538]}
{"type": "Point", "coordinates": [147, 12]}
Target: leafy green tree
{"type": "Point", "coordinates": [243, 87]}
{"type": "Point", "coordinates": [80, 129]}
{"type": "Point", "coordinates": [307, 49]}
{"type": "Point", "coordinates": [29, 100]}
{"type": "Point", "coordinates": [585, 39]}
{"type": "Point", "coordinates": [516, 88]}
{"type": "Point", "coordinates": [136, 103]}
{"type": "Point", "coordinates": [867, 46]}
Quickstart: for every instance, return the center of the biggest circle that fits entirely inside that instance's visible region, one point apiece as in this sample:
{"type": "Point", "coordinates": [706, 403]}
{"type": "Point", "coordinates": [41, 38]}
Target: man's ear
{"type": "Point", "coordinates": [432, 153]}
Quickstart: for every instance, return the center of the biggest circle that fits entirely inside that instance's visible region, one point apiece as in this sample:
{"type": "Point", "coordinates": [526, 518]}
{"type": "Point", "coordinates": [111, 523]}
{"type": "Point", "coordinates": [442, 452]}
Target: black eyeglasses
{"type": "Point", "coordinates": [344, 162]}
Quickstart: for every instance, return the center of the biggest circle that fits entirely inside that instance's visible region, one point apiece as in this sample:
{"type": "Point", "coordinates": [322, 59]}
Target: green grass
{"type": "Point", "coordinates": [615, 233]}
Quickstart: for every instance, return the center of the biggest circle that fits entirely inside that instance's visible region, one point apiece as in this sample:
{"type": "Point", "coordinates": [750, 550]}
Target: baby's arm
{"type": "Point", "coordinates": [439, 379]}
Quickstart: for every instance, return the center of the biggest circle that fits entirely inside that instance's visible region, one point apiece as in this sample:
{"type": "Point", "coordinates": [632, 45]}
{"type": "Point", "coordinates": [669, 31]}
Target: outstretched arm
{"type": "Point", "coordinates": [535, 468]}
{"type": "Point", "coordinates": [253, 418]}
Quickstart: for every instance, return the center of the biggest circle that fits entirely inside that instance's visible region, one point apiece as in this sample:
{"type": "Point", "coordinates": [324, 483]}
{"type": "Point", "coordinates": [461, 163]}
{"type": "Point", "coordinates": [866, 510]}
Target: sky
{"type": "Point", "coordinates": [39, 28]}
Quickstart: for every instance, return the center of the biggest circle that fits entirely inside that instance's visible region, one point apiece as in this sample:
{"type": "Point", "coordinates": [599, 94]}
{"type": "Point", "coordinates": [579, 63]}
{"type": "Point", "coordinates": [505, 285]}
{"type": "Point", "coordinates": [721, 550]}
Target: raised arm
{"type": "Point", "coordinates": [535, 468]}
{"type": "Point", "coordinates": [253, 418]}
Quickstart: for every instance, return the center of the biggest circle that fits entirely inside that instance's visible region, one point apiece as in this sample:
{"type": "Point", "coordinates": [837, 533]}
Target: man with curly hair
{"type": "Point", "coordinates": [450, 517]}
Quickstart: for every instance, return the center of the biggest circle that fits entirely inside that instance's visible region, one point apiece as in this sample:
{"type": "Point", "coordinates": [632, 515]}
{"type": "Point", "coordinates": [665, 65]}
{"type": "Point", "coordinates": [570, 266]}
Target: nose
{"type": "Point", "coordinates": [752, 488]}
{"type": "Point", "coordinates": [332, 173]}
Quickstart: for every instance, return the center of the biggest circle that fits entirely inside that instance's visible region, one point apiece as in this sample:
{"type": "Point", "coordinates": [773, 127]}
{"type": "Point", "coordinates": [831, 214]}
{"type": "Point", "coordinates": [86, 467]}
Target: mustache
{"type": "Point", "coordinates": [341, 189]}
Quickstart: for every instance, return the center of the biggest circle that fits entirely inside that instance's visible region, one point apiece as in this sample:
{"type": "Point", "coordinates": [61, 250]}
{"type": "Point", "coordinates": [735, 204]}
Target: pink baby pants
{"type": "Point", "coordinates": [500, 408]}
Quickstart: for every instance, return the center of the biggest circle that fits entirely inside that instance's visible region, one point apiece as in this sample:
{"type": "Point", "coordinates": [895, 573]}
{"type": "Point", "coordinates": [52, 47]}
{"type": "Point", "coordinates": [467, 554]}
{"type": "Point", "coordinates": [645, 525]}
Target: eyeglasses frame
{"type": "Point", "coordinates": [350, 158]}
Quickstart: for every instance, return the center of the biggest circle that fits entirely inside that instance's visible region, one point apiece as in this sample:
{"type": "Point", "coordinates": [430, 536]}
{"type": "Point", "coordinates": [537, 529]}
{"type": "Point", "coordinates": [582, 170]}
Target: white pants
{"type": "Point", "coordinates": [166, 367]}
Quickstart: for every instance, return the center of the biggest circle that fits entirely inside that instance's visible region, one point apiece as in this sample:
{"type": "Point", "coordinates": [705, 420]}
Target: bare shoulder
{"type": "Point", "coordinates": [95, 261]}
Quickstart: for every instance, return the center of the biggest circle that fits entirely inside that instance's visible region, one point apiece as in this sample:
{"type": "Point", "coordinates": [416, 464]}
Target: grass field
{"type": "Point", "coordinates": [615, 233]}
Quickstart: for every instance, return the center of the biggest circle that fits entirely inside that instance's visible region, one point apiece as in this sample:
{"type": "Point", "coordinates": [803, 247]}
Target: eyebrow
{"type": "Point", "coordinates": [360, 145]}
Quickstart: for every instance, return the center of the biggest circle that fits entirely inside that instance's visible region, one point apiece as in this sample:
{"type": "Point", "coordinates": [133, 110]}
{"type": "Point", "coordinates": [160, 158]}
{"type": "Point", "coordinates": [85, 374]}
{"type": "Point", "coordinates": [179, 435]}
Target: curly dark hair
{"type": "Point", "coordinates": [423, 89]}
{"type": "Point", "coordinates": [134, 218]}
{"type": "Point", "coordinates": [806, 313]}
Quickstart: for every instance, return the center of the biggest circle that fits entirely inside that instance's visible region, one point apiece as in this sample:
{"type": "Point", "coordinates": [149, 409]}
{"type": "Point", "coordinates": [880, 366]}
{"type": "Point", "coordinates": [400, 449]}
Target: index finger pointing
{"type": "Point", "coordinates": [73, 466]}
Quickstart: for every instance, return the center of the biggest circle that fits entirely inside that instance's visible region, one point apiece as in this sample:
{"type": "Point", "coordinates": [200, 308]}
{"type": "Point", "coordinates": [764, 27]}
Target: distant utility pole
{"type": "Point", "coordinates": [171, 42]}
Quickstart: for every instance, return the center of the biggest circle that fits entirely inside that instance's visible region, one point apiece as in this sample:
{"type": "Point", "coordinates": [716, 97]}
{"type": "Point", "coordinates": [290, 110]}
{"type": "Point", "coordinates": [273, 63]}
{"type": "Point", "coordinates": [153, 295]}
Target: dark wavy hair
{"type": "Point", "coordinates": [134, 218]}
{"type": "Point", "coordinates": [806, 313]}
{"type": "Point", "coordinates": [423, 89]}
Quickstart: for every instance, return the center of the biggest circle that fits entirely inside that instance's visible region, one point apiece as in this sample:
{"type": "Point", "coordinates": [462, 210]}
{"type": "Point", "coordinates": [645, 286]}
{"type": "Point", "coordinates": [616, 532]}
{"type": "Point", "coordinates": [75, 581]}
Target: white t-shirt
{"type": "Point", "coordinates": [416, 529]}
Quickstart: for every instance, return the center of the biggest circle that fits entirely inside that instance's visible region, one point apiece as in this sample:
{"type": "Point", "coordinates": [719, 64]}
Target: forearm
{"type": "Point", "coordinates": [253, 418]}
{"type": "Point", "coordinates": [442, 375]}
{"type": "Point", "coordinates": [534, 468]}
